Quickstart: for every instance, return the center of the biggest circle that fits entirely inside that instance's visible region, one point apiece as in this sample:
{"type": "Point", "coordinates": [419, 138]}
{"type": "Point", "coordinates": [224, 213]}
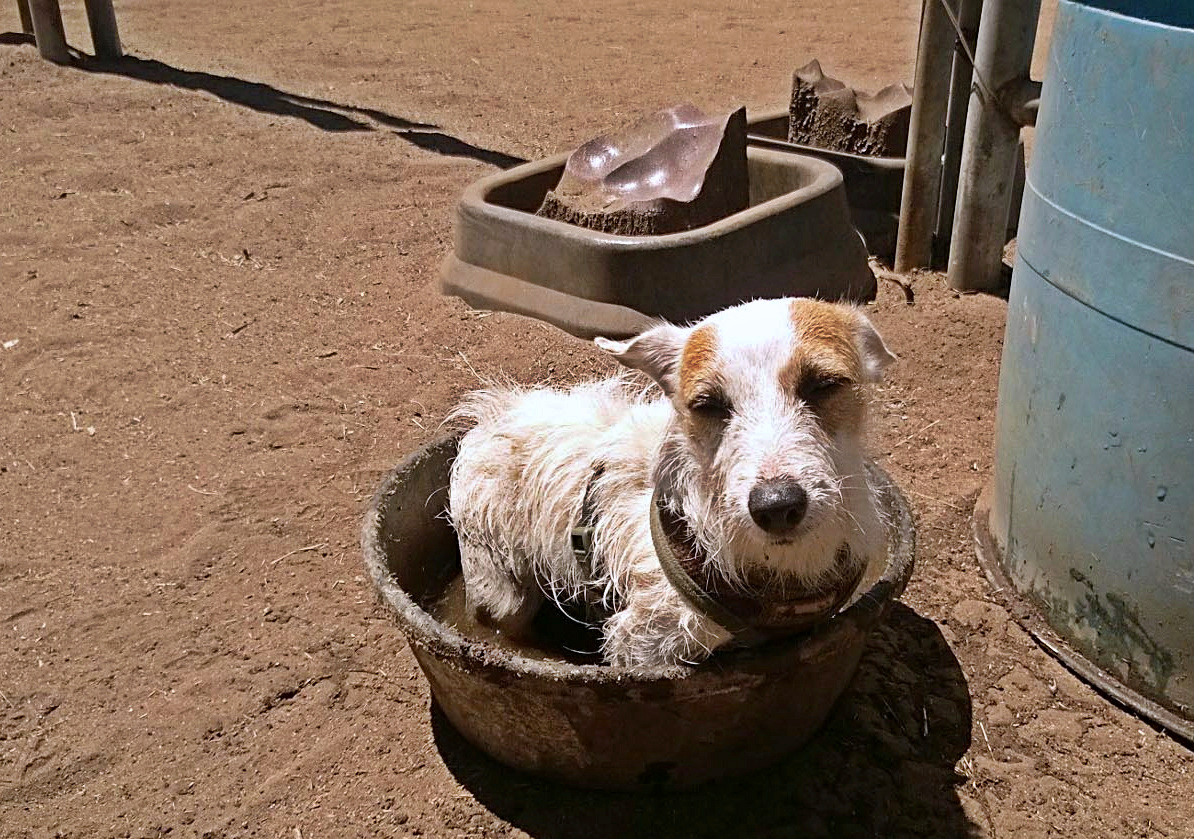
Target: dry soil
{"type": "Point", "coordinates": [220, 327]}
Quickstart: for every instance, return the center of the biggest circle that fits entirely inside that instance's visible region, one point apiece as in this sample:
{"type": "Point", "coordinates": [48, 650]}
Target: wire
{"type": "Point", "coordinates": [984, 89]}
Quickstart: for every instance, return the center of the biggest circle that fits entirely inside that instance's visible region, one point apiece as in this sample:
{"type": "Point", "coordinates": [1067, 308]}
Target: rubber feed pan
{"type": "Point", "coordinates": [612, 727]}
{"type": "Point", "coordinates": [795, 239]}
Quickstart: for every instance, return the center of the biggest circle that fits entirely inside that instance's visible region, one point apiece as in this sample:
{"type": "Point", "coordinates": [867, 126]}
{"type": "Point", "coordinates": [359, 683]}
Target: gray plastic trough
{"type": "Point", "coordinates": [873, 184]}
{"type": "Point", "coordinates": [612, 727]}
{"type": "Point", "coordinates": [795, 239]}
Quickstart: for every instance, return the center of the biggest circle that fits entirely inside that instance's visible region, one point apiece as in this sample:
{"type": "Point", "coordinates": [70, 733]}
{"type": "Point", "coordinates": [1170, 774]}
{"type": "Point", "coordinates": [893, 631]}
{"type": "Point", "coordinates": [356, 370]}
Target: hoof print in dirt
{"type": "Point", "coordinates": [827, 114]}
{"type": "Point", "coordinates": [674, 170]}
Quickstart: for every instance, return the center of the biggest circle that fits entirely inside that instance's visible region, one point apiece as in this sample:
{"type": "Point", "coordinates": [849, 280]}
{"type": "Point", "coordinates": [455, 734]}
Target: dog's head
{"type": "Point", "coordinates": [765, 451]}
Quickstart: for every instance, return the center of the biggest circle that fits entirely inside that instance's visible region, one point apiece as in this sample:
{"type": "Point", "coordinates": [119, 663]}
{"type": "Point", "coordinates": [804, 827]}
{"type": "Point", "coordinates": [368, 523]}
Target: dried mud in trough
{"type": "Point", "coordinates": [218, 260]}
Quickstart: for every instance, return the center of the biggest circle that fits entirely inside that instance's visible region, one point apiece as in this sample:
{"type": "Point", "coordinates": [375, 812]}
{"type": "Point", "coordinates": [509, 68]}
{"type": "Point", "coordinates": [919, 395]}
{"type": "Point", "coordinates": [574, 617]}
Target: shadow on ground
{"type": "Point", "coordinates": [257, 96]}
{"type": "Point", "coordinates": [882, 766]}
{"type": "Point", "coordinates": [263, 98]}
{"type": "Point", "coordinates": [16, 39]}
{"type": "Point", "coordinates": [450, 146]}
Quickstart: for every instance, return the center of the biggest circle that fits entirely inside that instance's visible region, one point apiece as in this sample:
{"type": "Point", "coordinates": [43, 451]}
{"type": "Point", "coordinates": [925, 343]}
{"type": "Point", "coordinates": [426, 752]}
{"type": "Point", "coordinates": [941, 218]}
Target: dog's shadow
{"type": "Point", "coordinates": [883, 765]}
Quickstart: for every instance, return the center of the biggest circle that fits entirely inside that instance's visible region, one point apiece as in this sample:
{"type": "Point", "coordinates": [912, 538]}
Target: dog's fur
{"type": "Point", "coordinates": [771, 389]}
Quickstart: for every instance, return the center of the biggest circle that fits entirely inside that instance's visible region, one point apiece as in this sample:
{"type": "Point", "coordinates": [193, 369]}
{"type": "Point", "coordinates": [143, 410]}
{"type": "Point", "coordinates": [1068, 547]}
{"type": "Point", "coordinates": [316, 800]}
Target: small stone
{"type": "Point", "coordinates": [999, 715]}
{"type": "Point", "coordinates": [1016, 769]}
{"type": "Point", "coordinates": [1065, 725]}
{"type": "Point", "coordinates": [978, 614]}
{"type": "Point", "coordinates": [1018, 680]}
{"type": "Point", "coordinates": [1109, 740]}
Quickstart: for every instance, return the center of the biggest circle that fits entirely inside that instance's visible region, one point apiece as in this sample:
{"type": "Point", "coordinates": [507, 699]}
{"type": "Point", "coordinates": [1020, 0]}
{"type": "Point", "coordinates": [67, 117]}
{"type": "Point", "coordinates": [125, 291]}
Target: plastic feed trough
{"type": "Point", "coordinates": [609, 727]}
{"type": "Point", "coordinates": [795, 239]}
{"type": "Point", "coordinates": [873, 184]}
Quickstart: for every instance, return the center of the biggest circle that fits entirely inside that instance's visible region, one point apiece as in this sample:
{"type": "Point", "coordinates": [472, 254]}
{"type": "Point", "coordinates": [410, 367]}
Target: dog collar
{"type": "Point", "coordinates": [749, 617]}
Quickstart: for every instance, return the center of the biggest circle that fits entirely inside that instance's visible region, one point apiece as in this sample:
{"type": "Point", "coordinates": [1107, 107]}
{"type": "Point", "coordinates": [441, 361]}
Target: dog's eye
{"type": "Point", "coordinates": [822, 387]}
{"type": "Point", "coordinates": [711, 406]}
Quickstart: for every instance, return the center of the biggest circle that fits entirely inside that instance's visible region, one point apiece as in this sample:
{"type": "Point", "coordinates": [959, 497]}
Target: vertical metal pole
{"type": "Point", "coordinates": [922, 169]}
{"type": "Point", "coordinates": [955, 128]}
{"type": "Point", "coordinates": [26, 20]}
{"type": "Point", "coordinates": [1003, 55]}
{"type": "Point", "coordinates": [48, 31]}
{"type": "Point", "coordinates": [104, 34]}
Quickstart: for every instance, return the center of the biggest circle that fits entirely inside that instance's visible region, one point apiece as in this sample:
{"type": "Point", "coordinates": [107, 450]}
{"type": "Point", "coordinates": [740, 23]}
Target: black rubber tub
{"type": "Point", "coordinates": [609, 727]}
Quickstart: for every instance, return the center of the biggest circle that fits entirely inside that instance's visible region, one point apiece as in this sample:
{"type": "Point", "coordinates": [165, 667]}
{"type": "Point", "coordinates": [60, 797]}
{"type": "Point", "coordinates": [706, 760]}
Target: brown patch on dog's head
{"type": "Point", "coordinates": [825, 345]}
{"type": "Point", "coordinates": [825, 339]}
{"type": "Point", "coordinates": [702, 404]}
{"type": "Point", "coordinates": [836, 351]}
{"type": "Point", "coordinates": [698, 372]}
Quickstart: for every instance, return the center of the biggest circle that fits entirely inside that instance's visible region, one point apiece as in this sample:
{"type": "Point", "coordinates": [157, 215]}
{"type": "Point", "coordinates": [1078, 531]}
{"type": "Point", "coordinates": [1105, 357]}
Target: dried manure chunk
{"type": "Point", "coordinates": [827, 114]}
{"type": "Point", "coordinates": [674, 170]}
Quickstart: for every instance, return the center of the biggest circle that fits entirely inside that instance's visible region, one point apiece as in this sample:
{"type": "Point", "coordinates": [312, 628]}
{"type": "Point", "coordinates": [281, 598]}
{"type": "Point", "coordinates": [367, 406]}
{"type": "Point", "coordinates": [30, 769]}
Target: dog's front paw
{"type": "Point", "coordinates": [660, 635]}
{"type": "Point", "coordinates": [495, 595]}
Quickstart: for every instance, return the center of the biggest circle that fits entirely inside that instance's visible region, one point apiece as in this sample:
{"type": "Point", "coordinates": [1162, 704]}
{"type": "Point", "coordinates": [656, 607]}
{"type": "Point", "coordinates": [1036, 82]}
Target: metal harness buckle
{"type": "Point", "coordinates": [582, 543]}
{"type": "Point", "coordinates": [581, 536]}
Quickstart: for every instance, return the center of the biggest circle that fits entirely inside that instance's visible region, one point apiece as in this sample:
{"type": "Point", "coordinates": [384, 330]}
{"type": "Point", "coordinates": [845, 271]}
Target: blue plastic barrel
{"type": "Point", "coordinates": [1091, 510]}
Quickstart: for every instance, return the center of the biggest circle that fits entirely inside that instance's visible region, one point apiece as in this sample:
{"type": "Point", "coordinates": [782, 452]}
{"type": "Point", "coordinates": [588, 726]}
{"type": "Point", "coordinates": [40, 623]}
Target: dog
{"type": "Point", "coordinates": [750, 441]}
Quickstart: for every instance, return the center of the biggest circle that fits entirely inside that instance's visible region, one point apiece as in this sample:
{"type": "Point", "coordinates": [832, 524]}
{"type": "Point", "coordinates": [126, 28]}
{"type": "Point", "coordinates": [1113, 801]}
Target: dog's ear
{"type": "Point", "coordinates": [875, 355]}
{"type": "Point", "coordinates": [655, 352]}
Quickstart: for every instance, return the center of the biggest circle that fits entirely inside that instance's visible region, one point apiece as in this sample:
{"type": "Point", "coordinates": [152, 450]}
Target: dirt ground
{"type": "Point", "coordinates": [220, 328]}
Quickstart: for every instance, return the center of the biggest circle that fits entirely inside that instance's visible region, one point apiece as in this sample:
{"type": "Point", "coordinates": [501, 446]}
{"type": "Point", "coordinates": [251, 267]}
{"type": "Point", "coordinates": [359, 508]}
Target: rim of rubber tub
{"type": "Point", "coordinates": [424, 631]}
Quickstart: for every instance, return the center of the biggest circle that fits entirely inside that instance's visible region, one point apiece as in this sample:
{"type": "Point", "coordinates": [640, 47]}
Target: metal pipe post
{"type": "Point", "coordinates": [961, 80]}
{"type": "Point", "coordinates": [104, 34]}
{"type": "Point", "coordinates": [26, 20]}
{"type": "Point", "coordinates": [1003, 55]}
{"type": "Point", "coordinates": [922, 169]}
{"type": "Point", "coordinates": [48, 31]}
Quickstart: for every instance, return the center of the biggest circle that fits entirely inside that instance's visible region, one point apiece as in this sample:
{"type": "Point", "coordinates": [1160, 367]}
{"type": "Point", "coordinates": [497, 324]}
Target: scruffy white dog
{"type": "Point", "coordinates": [754, 446]}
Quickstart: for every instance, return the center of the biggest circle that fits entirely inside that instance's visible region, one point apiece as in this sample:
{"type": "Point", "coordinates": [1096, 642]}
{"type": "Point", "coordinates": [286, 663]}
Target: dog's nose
{"type": "Point", "coordinates": [777, 505]}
